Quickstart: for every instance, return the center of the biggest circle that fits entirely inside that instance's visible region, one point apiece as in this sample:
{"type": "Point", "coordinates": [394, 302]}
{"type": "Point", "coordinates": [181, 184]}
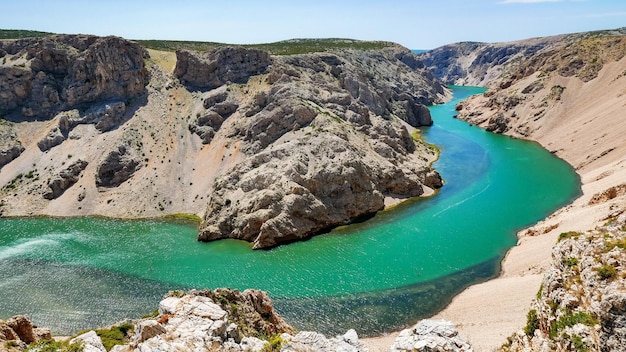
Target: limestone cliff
{"type": "Point", "coordinates": [221, 320]}
{"type": "Point", "coordinates": [265, 148]}
{"type": "Point", "coordinates": [581, 304]}
{"type": "Point", "coordinates": [325, 142]}
{"type": "Point", "coordinates": [565, 92]}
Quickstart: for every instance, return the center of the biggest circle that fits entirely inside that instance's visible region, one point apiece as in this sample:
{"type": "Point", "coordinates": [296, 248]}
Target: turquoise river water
{"type": "Point", "coordinates": [379, 275]}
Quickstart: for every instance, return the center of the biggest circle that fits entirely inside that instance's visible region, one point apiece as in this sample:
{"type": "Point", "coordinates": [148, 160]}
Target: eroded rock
{"type": "Point", "coordinates": [430, 336]}
{"type": "Point", "coordinates": [67, 178]}
{"type": "Point", "coordinates": [222, 65]}
{"type": "Point", "coordinates": [63, 72]}
{"type": "Point", "coordinates": [118, 166]}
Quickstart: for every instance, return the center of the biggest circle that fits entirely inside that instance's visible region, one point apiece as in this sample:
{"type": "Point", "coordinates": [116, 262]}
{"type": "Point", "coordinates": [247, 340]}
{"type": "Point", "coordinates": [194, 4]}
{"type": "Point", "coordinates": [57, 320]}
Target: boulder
{"type": "Point", "coordinates": [10, 146]}
{"type": "Point", "coordinates": [90, 341]}
{"type": "Point", "coordinates": [52, 139]}
{"type": "Point", "coordinates": [312, 341]}
{"type": "Point", "coordinates": [431, 336]}
{"type": "Point", "coordinates": [118, 166]}
{"type": "Point", "coordinates": [66, 179]}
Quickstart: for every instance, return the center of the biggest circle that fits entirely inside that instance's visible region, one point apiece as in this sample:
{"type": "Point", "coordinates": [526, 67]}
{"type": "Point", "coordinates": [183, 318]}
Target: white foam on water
{"type": "Point", "coordinates": [32, 245]}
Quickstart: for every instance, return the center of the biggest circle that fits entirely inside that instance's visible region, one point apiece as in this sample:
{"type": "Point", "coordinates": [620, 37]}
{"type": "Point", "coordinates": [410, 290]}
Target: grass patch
{"type": "Point", "coordinates": [183, 218]}
{"type": "Point", "coordinates": [578, 344]}
{"type": "Point", "coordinates": [55, 346]}
{"type": "Point", "coordinates": [615, 244]}
{"type": "Point", "coordinates": [571, 261]}
{"type": "Point", "coordinates": [274, 344]}
{"type": "Point", "coordinates": [570, 234]}
{"type": "Point", "coordinates": [21, 33]}
{"type": "Point", "coordinates": [606, 272]}
{"type": "Point", "coordinates": [151, 315]}
{"type": "Point", "coordinates": [117, 335]}
{"type": "Point", "coordinates": [287, 47]}
{"type": "Point", "coordinates": [532, 323]}
{"type": "Point", "coordinates": [570, 320]}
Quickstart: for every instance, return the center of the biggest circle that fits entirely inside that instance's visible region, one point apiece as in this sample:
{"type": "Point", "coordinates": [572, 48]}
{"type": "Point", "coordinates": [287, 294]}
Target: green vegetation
{"type": "Point", "coordinates": [570, 234]}
{"type": "Point", "coordinates": [117, 335]}
{"type": "Point", "coordinates": [183, 218]}
{"type": "Point", "coordinates": [274, 344]}
{"type": "Point", "coordinates": [570, 320]}
{"type": "Point", "coordinates": [151, 315]}
{"type": "Point", "coordinates": [19, 33]}
{"type": "Point", "coordinates": [613, 244]}
{"type": "Point", "coordinates": [55, 346]}
{"type": "Point", "coordinates": [287, 47]}
{"type": "Point", "coordinates": [578, 344]}
{"type": "Point", "coordinates": [571, 261]}
{"type": "Point", "coordinates": [606, 272]}
{"type": "Point", "coordinates": [532, 323]}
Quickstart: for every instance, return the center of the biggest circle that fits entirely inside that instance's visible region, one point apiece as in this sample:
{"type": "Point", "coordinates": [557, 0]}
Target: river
{"type": "Point", "coordinates": [376, 276]}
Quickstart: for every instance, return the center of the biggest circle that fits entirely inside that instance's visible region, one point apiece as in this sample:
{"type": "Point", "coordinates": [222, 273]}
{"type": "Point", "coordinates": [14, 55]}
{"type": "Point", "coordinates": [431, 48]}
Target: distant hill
{"type": "Point", "coordinates": [21, 33]}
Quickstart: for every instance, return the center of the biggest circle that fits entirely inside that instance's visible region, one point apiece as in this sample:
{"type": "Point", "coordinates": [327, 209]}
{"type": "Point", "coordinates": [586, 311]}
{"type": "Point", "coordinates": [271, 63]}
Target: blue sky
{"type": "Point", "coordinates": [415, 24]}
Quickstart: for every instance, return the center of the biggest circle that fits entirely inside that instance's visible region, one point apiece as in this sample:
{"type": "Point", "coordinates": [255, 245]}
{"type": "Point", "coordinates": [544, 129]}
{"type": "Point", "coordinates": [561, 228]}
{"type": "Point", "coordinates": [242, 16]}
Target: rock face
{"type": "Point", "coordinates": [582, 301]}
{"type": "Point", "coordinates": [67, 178]}
{"type": "Point", "coordinates": [222, 65]}
{"type": "Point", "coordinates": [18, 331]}
{"type": "Point", "coordinates": [118, 166]}
{"type": "Point", "coordinates": [10, 146]}
{"type": "Point", "coordinates": [270, 149]}
{"type": "Point", "coordinates": [431, 336]}
{"type": "Point", "coordinates": [325, 145]}
{"type": "Point", "coordinates": [41, 77]}
{"type": "Point", "coordinates": [500, 64]}
{"type": "Point", "coordinates": [221, 320]}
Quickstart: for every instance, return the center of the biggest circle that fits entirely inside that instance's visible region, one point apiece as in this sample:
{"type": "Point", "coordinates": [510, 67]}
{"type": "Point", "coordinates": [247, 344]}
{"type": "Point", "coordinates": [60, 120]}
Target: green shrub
{"type": "Point", "coordinates": [117, 335]}
{"type": "Point", "coordinates": [274, 344]}
{"type": "Point", "coordinates": [570, 320]}
{"type": "Point", "coordinates": [571, 261]}
{"type": "Point", "coordinates": [55, 346]}
{"type": "Point", "coordinates": [606, 272]}
{"type": "Point", "coordinates": [578, 344]}
{"type": "Point", "coordinates": [570, 234]}
{"type": "Point", "coordinates": [532, 323]}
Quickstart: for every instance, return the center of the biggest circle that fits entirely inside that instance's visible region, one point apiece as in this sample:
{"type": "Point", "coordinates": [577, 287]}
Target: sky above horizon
{"type": "Point", "coordinates": [416, 24]}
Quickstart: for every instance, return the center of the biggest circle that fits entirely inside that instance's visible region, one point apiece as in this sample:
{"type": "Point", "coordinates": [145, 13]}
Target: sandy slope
{"type": "Point", "coordinates": [588, 121]}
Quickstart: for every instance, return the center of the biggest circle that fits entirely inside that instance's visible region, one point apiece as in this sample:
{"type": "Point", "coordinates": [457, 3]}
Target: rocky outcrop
{"type": "Point", "coordinates": [17, 332]}
{"type": "Point", "coordinates": [581, 304]}
{"type": "Point", "coordinates": [218, 110]}
{"type": "Point", "coordinates": [222, 65]}
{"type": "Point", "coordinates": [67, 178]}
{"type": "Point", "coordinates": [41, 77]}
{"type": "Point", "coordinates": [119, 165]}
{"type": "Point", "coordinates": [325, 146]}
{"type": "Point", "coordinates": [10, 146]}
{"type": "Point", "coordinates": [501, 64]}
{"type": "Point", "coordinates": [191, 141]}
{"type": "Point", "coordinates": [220, 320]}
{"type": "Point", "coordinates": [431, 335]}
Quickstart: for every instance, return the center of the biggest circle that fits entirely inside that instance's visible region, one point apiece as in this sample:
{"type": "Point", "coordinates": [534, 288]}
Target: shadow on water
{"type": "Point", "coordinates": [383, 311]}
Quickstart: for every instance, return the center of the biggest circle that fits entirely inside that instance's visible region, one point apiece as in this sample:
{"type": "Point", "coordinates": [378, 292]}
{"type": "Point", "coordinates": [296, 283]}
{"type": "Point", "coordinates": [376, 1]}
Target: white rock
{"type": "Point", "coordinates": [91, 342]}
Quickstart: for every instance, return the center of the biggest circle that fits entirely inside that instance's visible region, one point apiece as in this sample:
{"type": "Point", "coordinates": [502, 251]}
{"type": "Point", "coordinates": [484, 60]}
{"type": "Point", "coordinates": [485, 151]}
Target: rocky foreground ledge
{"type": "Point", "coordinates": [220, 320]}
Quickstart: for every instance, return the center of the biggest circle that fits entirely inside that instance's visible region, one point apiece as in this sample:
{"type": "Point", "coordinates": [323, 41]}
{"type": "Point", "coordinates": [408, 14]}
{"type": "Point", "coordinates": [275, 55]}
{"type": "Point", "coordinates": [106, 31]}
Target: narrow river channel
{"type": "Point", "coordinates": [376, 276]}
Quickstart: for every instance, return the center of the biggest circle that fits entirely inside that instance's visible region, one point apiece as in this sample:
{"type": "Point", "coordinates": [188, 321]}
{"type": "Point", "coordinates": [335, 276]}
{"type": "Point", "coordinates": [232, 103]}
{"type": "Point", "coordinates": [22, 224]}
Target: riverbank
{"type": "Point", "coordinates": [578, 132]}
